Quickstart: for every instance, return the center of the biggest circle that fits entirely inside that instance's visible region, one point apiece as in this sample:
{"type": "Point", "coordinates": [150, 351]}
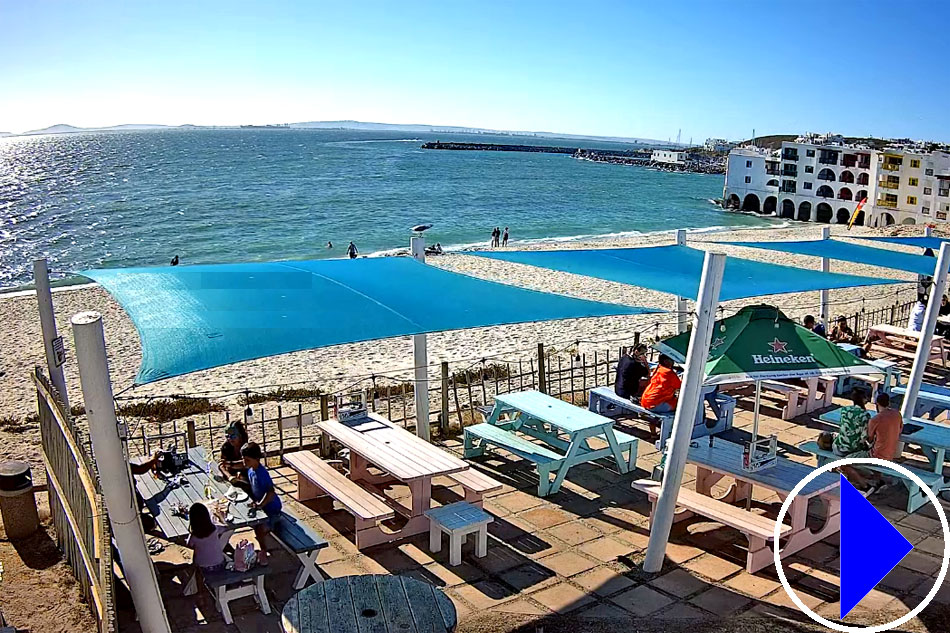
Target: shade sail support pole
{"type": "Point", "coordinates": [928, 231]}
{"type": "Point", "coordinates": [689, 401]}
{"type": "Point", "coordinates": [922, 356]}
{"type": "Point", "coordinates": [682, 308]}
{"type": "Point", "coordinates": [825, 267]}
{"type": "Point", "coordinates": [116, 480]}
{"type": "Point", "coordinates": [420, 356]}
{"type": "Point", "coordinates": [44, 300]}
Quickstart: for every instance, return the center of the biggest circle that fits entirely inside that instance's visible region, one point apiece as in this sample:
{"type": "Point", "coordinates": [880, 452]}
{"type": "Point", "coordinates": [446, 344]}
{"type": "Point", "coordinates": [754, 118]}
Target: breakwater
{"type": "Point", "coordinates": [634, 157]}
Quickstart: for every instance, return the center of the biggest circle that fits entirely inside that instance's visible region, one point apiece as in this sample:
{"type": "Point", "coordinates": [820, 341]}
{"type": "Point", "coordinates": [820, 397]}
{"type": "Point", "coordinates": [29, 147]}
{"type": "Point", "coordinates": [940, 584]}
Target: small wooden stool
{"type": "Point", "coordinates": [458, 520]}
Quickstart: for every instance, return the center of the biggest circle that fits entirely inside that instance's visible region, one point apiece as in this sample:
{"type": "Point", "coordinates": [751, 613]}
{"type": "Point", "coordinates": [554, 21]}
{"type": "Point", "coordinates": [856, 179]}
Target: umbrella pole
{"type": "Point", "coordinates": [755, 434]}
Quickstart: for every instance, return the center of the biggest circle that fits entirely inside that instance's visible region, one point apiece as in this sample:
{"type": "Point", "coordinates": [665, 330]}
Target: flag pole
{"type": "Point", "coordinates": [682, 315]}
{"type": "Point", "coordinates": [689, 401]}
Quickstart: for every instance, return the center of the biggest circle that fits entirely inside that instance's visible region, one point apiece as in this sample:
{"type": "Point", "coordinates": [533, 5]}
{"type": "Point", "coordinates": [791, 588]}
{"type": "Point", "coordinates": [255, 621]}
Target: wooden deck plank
{"type": "Point", "coordinates": [395, 605]}
{"type": "Point", "coordinates": [341, 616]}
{"type": "Point", "coordinates": [370, 617]}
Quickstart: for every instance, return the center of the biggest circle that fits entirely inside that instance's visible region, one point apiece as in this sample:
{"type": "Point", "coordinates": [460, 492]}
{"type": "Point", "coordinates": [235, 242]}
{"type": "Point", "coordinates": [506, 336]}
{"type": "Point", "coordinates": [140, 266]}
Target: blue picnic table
{"type": "Point", "coordinates": [932, 399]}
{"type": "Point", "coordinates": [564, 427]}
{"type": "Point", "coordinates": [932, 438]}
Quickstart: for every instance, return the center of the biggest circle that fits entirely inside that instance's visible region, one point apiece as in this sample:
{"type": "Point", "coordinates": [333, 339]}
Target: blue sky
{"type": "Point", "coordinates": [646, 69]}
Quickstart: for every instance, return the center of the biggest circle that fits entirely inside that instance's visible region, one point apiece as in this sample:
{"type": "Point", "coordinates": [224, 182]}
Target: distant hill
{"type": "Point", "coordinates": [774, 141]}
{"type": "Point", "coordinates": [62, 128]}
{"type": "Point", "coordinates": [6, 133]}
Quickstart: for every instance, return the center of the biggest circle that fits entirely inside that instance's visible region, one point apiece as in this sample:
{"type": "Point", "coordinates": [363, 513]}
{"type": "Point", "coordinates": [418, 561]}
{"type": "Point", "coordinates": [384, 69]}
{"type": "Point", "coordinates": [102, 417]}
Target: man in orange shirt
{"type": "Point", "coordinates": [660, 393]}
{"type": "Point", "coordinates": [884, 433]}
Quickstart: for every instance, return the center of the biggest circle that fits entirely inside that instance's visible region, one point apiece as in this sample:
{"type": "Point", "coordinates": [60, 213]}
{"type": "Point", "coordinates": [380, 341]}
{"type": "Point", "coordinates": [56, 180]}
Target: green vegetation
{"type": "Point", "coordinates": [478, 375]}
{"type": "Point", "coordinates": [168, 409]}
{"type": "Point", "coordinates": [299, 394]}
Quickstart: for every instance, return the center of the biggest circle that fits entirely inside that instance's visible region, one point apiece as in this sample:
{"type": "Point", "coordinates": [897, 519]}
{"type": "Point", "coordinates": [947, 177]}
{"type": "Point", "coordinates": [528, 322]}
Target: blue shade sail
{"type": "Point", "coordinates": [846, 251]}
{"type": "Point", "coordinates": [922, 241]}
{"type": "Point", "coordinates": [677, 269]}
{"type": "Point", "coordinates": [191, 318]}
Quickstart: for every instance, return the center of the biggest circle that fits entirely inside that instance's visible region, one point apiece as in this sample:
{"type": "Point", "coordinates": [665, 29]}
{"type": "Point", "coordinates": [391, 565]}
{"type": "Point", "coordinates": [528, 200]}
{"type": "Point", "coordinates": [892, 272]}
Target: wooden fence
{"type": "Point", "coordinates": [79, 516]}
{"type": "Point", "coordinates": [455, 396]}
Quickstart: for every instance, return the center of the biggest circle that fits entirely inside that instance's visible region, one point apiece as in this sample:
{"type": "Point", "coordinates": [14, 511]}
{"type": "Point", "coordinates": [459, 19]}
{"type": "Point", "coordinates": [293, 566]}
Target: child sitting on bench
{"type": "Point", "coordinates": [263, 495]}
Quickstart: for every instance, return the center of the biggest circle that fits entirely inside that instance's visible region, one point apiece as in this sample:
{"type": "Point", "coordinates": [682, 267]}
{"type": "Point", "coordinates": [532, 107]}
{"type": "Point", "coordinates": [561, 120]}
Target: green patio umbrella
{"type": "Point", "coordinates": [760, 343]}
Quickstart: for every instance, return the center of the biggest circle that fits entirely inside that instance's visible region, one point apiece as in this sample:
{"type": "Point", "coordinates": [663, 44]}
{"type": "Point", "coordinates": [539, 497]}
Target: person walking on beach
{"type": "Point", "coordinates": [495, 233]}
{"type": "Point", "coordinates": [352, 251]}
{"type": "Point", "coordinates": [504, 238]}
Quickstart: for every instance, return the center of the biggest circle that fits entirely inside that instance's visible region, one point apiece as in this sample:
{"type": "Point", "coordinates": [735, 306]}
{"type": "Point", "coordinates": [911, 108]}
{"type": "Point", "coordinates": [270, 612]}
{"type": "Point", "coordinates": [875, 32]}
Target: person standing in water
{"type": "Point", "coordinates": [329, 245]}
{"type": "Point", "coordinates": [504, 238]}
{"type": "Point", "coordinates": [352, 251]}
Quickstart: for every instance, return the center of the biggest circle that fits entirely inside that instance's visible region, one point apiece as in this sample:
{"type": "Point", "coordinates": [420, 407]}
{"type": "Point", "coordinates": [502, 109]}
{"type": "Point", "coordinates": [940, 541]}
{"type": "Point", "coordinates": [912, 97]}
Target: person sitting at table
{"type": "Point", "coordinates": [842, 332]}
{"type": "Point", "coordinates": [818, 328]}
{"type": "Point", "coordinates": [148, 521]}
{"type": "Point", "coordinates": [661, 392]}
{"type": "Point", "coordinates": [916, 321]}
{"type": "Point", "coordinates": [852, 437]}
{"type": "Point", "coordinates": [631, 370]}
{"type": "Point", "coordinates": [942, 329]}
{"type": "Point", "coordinates": [205, 539]}
{"type": "Point", "coordinates": [263, 495]}
{"type": "Point", "coordinates": [230, 462]}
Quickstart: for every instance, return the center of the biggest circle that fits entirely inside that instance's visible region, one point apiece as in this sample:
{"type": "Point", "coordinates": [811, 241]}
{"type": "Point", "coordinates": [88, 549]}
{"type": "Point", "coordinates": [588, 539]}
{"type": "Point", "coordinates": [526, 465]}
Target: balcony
{"type": "Point", "coordinates": [883, 184]}
{"type": "Point", "coordinates": [891, 166]}
{"type": "Point", "coordinates": [864, 165]}
{"type": "Point", "coordinates": [828, 177]}
{"type": "Point", "coordinates": [789, 156]}
{"type": "Point", "coordinates": [790, 173]}
{"type": "Point", "coordinates": [889, 204]}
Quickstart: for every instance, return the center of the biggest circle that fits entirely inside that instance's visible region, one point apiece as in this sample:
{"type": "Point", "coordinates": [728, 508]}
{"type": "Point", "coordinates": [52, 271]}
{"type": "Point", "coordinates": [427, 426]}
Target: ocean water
{"type": "Point", "coordinates": [138, 198]}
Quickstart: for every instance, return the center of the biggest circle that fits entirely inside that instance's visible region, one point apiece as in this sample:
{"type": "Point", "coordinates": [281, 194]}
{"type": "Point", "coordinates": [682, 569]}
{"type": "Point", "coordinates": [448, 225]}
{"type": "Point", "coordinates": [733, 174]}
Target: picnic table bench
{"type": "Point", "coordinates": [566, 429]}
{"type": "Point", "coordinates": [724, 459]}
{"type": "Point", "coordinates": [758, 529]}
{"type": "Point", "coordinates": [902, 343]}
{"type": "Point", "coordinates": [302, 541]}
{"type": "Point", "coordinates": [227, 585]}
{"type": "Point", "coordinates": [931, 399]}
{"type": "Point", "coordinates": [916, 498]}
{"type": "Point", "coordinates": [605, 401]}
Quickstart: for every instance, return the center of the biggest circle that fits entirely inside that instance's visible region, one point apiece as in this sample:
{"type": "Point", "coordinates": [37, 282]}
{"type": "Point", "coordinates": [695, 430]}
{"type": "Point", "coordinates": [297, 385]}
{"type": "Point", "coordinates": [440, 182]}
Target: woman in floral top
{"type": "Point", "coordinates": [852, 437]}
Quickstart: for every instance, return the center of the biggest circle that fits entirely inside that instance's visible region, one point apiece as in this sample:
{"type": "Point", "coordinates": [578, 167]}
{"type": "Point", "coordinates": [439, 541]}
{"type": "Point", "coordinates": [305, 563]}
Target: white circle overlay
{"type": "Point", "coordinates": [880, 628]}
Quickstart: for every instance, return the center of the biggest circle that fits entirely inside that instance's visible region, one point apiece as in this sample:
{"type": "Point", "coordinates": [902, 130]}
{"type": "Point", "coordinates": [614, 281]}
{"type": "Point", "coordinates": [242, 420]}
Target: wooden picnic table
{"type": "Point", "coordinates": [561, 425]}
{"type": "Point", "coordinates": [371, 603]}
{"type": "Point", "coordinates": [724, 459]}
{"type": "Point", "coordinates": [161, 497]}
{"type": "Point", "coordinates": [931, 398]}
{"type": "Point", "coordinates": [932, 438]}
{"type": "Point", "coordinates": [401, 456]}
{"type": "Point", "coordinates": [903, 341]}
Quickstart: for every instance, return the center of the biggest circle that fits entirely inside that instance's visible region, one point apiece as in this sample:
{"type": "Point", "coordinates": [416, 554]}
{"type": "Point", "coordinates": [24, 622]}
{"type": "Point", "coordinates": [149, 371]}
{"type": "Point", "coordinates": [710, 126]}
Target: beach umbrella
{"type": "Point", "coordinates": [760, 343]}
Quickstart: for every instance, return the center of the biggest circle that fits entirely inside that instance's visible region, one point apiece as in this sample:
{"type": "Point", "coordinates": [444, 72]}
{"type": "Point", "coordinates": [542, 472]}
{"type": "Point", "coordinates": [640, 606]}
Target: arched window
{"type": "Point", "coordinates": [823, 212]}
{"type": "Point", "coordinates": [751, 203]}
{"type": "Point", "coordinates": [825, 191]}
{"type": "Point", "coordinates": [861, 195]}
{"type": "Point", "coordinates": [768, 207]}
{"type": "Point", "coordinates": [788, 209]}
{"type": "Point", "coordinates": [804, 211]}
{"type": "Point", "coordinates": [772, 183]}
{"type": "Point", "coordinates": [863, 179]}
{"type": "Point", "coordinates": [826, 174]}
{"type": "Point", "coordinates": [845, 194]}
{"type": "Point", "coordinates": [846, 176]}
{"type": "Point", "coordinates": [843, 216]}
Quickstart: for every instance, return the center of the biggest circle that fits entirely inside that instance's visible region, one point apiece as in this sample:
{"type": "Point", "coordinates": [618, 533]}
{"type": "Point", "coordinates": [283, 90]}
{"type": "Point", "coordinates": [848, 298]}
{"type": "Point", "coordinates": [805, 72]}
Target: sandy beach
{"type": "Point", "coordinates": [336, 367]}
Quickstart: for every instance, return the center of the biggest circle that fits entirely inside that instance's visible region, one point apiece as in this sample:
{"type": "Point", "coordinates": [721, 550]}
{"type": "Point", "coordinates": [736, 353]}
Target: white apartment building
{"type": "Point", "coordinates": [822, 179]}
{"type": "Point", "coordinates": [717, 145]}
{"type": "Point", "coordinates": [668, 157]}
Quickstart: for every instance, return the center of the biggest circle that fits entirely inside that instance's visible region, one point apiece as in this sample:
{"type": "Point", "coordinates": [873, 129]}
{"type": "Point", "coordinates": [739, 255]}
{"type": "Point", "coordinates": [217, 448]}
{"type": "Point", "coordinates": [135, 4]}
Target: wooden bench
{"type": "Point", "coordinates": [458, 520]}
{"type": "Point", "coordinates": [547, 462]}
{"type": "Point", "coordinates": [299, 539]}
{"type": "Point", "coordinates": [226, 586]}
{"type": "Point", "coordinates": [916, 498]}
{"type": "Point", "coordinates": [793, 396]}
{"type": "Point", "coordinates": [759, 530]}
{"type": "Point", "coordinates": [605, 401]}
{"type": "Point", "coordinates": [475, 484]}
{"type": "Point", "coordinates": [316, 478]}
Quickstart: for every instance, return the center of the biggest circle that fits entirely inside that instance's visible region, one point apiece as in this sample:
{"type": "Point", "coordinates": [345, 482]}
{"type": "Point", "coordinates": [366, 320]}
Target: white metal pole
{"type": "Point", "coordinates": [682, 315]}
{"type": "Point", "coordinates": [116, 479]}
{"type": "Point", "coordinates": [758, 405]}
{"type": "Point", "coordinates": [928, 232]}
{"type": "Point", "coordinates": [420, 356]}
{"type": "Point", "coordinates": [689, 401]}
{"type": "Point", "coordinates": [44, 299]}
{"type": "Point", "coordinates": [825, 267]}
{"type": "Point", "coordinates": [926, 333]}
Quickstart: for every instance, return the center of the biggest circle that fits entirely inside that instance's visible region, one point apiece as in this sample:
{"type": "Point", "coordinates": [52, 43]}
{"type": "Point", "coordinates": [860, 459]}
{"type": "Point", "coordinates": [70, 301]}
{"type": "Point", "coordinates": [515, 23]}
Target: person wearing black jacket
{"type": "Point", "coordinates": [631, 369]}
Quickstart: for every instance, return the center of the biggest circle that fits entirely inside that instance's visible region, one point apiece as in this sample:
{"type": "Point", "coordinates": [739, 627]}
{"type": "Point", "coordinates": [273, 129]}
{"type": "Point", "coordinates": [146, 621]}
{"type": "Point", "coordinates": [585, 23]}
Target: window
{"type": "Point", "coordinates": [943, 192]}
{"type": "Point", "coordinates": [928, 191]}
{"type": "Point", "coordinates": [913, 182]}
{"type": "Point", "coordinates": [925, 210]}
{"type": "Point", "coordinates": [748, 179]}
{"type": "Point", "coordinates": [929, 172]}
{"type": "Point", "coordinates": [748, 164]}
{"type": "Point", "coordinates": [807, 185]}
{"type": "Point", "coordinates": [788, 186]}
{"type": "Point", "coordinates": [911, 199]}
{"type": "Point", "coordinates": [810, 153]}
{"type": "Point", "coordinates": [915, 163]}
{"type": "Point", "coordinates": [809, 169]}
